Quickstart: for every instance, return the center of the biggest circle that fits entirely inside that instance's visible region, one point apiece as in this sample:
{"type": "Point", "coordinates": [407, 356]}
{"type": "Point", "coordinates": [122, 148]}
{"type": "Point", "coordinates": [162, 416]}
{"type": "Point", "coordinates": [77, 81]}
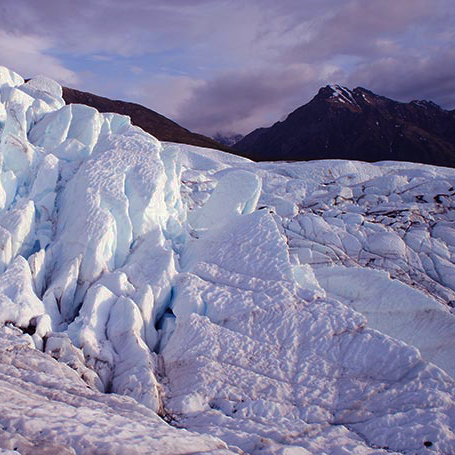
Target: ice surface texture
{"type": "Point", "coordinates": [272, 308]}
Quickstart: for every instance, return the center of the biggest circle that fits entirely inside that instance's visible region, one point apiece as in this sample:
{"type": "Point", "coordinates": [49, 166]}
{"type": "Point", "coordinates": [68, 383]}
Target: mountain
{"type": "Point", "coordinates": [162, 298]}
{"type": "Point", "coordinates": [228, 139]}
{"type": "Point", "coordinates": [150, 121]}
{"type": "Point", "coordinates": [357, 125]}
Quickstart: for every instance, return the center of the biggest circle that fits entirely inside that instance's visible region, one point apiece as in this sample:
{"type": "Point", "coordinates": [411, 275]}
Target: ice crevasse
{"type": "Point", "coordinates": [226, 296]}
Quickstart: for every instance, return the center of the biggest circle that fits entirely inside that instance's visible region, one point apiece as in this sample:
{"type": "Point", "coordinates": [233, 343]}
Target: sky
{"type": "Point", "coordinates": [231, 66]}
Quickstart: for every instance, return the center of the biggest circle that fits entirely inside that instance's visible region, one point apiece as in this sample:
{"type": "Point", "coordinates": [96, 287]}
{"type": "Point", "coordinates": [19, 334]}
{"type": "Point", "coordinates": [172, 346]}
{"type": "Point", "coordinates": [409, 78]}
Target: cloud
{"type": "Point", "coordinates": [231, 65]}
{"type": "Point", "coordinates": [411, 77]}
{"type": "Point", "coordinates": [136, 69]}
{"type": "Point", "coordinates": [163, 93]}
{"type": "Point", "coordinates": [113, 26]}
{"type": "Point", "coordinates": [27, 55]}
{"type": "Point", "coordinates": [391, 47]}
{"type": "Point", "coordinates": [241, 101]}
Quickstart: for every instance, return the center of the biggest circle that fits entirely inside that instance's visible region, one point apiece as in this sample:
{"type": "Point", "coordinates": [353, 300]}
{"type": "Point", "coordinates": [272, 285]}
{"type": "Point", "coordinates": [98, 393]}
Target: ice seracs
{"type": "Point", "coordinates": [236, 193]}
{"type": "Point", "coordinates": [272, 308]}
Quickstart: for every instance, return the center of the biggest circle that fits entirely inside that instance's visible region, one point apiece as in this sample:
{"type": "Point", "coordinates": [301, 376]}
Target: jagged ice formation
{"type": "Point", "coordinates": [230, 306]}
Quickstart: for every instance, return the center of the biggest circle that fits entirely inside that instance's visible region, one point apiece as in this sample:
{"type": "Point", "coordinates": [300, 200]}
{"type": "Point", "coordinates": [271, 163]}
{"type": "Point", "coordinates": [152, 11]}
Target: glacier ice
{"type": "Point", "coordinates": [164, 298]}
{"type": "Point", "coordinates": [236, 193]}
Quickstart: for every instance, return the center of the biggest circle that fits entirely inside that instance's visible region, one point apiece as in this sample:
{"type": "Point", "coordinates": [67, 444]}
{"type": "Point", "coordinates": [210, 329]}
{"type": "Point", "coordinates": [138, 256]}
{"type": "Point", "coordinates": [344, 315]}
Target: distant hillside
{"type": "Point", "coordinates": [228, 139]}
{"type": "Point", "coordinates": [152, 122]}
{"type": "Point", "coordinates": [358, 125]}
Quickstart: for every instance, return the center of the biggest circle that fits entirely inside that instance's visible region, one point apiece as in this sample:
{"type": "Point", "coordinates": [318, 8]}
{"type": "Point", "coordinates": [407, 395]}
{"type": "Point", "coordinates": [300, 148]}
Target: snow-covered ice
{"type": "Point", "coordinates": [164, 298]}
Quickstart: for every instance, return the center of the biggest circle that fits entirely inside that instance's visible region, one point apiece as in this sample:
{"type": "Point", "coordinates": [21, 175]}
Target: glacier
{"type": "Point", "coordinates": [164, 298]}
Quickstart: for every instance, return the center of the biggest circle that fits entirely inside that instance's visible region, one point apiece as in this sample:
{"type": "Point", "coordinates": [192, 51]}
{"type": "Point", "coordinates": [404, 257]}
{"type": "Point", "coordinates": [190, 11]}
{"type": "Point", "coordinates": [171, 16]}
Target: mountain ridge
{"type": "Point", "coordinates": [360, 125]}
{"type": "Point", "coordinates": [150, 121]}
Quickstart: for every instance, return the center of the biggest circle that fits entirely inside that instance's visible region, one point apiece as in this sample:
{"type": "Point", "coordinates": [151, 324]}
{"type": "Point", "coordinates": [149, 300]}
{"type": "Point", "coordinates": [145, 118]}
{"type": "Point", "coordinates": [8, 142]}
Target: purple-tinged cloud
{"type": "Point", "coordinates": [241, 101]}
{"type": "Point", "coordinates": [409, 77]}
{"type": "Point", "coordinates": [226, 65]}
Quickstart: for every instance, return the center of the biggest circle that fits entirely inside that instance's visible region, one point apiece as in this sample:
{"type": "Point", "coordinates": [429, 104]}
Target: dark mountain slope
{"type": "Point", "coordinates": [152, 122]}
{"type": "Point", "coordinates": [358, 125]}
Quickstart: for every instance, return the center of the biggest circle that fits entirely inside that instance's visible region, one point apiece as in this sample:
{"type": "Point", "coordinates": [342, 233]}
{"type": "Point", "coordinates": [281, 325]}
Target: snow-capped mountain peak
{"type": "Point", "coordinates": [357, 124]}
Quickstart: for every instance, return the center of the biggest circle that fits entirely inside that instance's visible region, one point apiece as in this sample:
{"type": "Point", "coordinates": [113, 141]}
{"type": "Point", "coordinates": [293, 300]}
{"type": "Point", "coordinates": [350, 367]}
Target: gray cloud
{"type": "Point", "coordinates": [410, 77]}
{"type": "Point", "coordinates": [26, 54]}
{"type": "Point", "coordinates": [234, 65]}
{"type": "Point", "coordinates": [116, 26]}
{"type": "Point", "coordinates": [241, 101]}
{"type": "Point", "coordinates": [356, 26]}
